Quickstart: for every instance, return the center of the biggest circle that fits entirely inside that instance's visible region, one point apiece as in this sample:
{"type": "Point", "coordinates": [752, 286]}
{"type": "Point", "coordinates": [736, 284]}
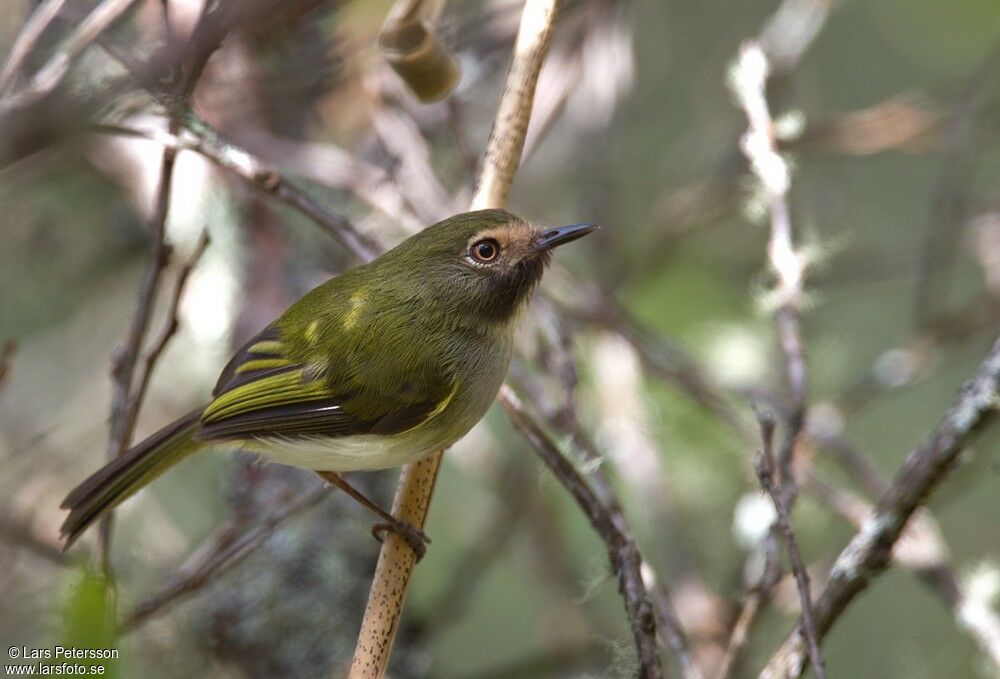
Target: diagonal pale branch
{"type": "Point", "coordinates": [870, 551]}
{"type": "Point", "coordinates": [922, 549]}
{"type": "Point", "coordinates": [416, 482]}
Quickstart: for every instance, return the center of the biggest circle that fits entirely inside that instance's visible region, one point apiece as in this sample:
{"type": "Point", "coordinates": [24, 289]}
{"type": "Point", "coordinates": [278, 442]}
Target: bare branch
{"type": "Point", "coordinates": [626, 561]}
{"type": "Point", "coordinates": [227, 547]}
{"type": "Point", "coordinates": [27, 39]}
{"type": "Point", "coordinates": [765, 468]}
{"type": "Point", "coordinates": [87, 31]}
{"type": "Point", "coordinates": [751, 607]}
{"type": "Point", "coordinates": [869, 552]}
{"type": "Point", "coordinates": [922, 549]}
{"type": "Point", "coordinates": [169, 329]}
{"type": "Point", "coordinates": [229, 156]}
{"type": "Point", "coordinates": [124, 405]}
{"type": "Point", "coordinates": [749, 78]}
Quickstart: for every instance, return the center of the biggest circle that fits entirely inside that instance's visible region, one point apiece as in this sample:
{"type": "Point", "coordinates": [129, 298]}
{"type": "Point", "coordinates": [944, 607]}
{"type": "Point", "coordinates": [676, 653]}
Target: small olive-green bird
{"type": "Point", "coordinates": [380, 366]}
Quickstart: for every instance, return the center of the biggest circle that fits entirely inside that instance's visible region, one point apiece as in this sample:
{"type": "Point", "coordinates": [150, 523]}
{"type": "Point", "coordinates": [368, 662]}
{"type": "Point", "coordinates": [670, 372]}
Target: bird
{"type": "Point", "coordinates": [375, 368]}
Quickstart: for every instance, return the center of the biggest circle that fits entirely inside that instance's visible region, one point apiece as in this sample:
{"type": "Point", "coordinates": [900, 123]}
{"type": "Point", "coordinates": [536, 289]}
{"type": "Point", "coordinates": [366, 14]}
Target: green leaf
{"type": "Point", "coordinates": [89, 625]}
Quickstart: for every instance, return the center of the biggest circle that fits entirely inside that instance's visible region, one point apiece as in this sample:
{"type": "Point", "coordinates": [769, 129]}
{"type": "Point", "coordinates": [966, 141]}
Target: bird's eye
{"type": "Point", "coordinates": [485, 251]}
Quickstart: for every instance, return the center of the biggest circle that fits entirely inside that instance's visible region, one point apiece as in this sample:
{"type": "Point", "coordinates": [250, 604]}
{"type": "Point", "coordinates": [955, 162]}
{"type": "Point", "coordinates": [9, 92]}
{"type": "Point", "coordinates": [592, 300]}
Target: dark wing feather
{"type": "Point", "coordinates": [261, 347]}
{"type": "Point", "coordinates": [264, 393]}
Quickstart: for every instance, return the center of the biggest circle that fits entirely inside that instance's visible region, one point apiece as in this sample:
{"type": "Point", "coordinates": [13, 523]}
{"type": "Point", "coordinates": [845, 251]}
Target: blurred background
{"type": "Point", "coordinates": [649, 345]}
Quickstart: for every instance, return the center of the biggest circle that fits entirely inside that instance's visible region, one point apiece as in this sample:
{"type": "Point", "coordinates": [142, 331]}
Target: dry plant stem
{"type": "Point", "coordinates": [416, 481]}
{"type": "Point", "coordinates": [224, 550]}
{"type": "Point", "coordinates": [626, 562]}
{"type": "Point", "coordinates": [510, 125]}
{"type": "Point", "coordinates": [765, 468]}
{"type": "Point", "coordinates": [869, 552]}
{"type": "Point", "coordinates": [124, 407]}
{"type": "Point", "coordinates": [27, 39]}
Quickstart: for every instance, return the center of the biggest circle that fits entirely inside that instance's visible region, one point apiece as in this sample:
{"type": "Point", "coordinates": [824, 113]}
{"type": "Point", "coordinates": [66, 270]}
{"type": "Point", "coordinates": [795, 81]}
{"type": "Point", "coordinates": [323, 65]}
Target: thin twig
{"type": "Point", "coordinates": [87, 31]}
{"type": "Point", "coordinates": [563, 420]}
{"type": "Point", "coordinates": [170, 328]}
{"type": "Point", "coordinates": [626, 561]}
{"type": "Point", "coordinates": [416, 482]}
{"type": "Point", "coordinates": [753, 602]}
{"type": "Point", "coordinates": [210, 143]}
{"type": "Point", "coordinates": [668, 624]}
{"type": "Point", "coordinates": [870, 551]}
{"type": "Point", "coordinates": [749, 78]}
{"type": "Point", "coordinates": [765, 468]}
{"type": "Point", "coordinates": [227, 547]}
{"type": "Point", "coordinates": [922, 549]}
{"type": "Point", "coordinates": [749, 81]}
{"type": "Point", "coordinates": [124, 407]}
{"type": "Point", "coordinates": [229, 156]}
{"type": "Point", "coordinates": [27, 40]}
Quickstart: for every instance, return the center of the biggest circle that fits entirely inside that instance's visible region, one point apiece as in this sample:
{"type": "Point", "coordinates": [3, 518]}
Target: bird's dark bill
{"type": "Point", "coordinates": [563, 234]}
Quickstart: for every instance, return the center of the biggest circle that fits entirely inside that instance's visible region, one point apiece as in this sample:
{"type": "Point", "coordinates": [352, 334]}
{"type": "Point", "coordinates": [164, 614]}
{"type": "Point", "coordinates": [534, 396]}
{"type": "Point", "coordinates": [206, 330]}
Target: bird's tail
{"type": "Point", "coordinates": [119, 479]}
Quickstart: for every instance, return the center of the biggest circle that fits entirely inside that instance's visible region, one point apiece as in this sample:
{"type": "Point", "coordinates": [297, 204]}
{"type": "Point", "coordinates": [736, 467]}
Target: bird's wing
{"type": "Point", "coordinates": [263, 392]}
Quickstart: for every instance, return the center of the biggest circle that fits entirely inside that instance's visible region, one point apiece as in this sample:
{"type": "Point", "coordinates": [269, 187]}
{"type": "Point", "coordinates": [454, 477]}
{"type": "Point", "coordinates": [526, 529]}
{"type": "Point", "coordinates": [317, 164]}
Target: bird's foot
{"type": "Point", "coordinates": [415, 538]}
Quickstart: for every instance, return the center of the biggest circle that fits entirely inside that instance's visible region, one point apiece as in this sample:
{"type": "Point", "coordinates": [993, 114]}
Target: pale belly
{"type": "Point", "coordinates": [345, 454]}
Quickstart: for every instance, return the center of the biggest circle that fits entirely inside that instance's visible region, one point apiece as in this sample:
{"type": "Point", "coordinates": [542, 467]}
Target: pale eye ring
{"type": "Point", "coordinates": [485, 251]}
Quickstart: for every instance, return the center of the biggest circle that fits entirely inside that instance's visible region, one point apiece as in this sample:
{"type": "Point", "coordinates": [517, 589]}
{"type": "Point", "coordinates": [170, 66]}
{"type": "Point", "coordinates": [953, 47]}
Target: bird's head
{"type": "Point", "coordinates": [485, 262]}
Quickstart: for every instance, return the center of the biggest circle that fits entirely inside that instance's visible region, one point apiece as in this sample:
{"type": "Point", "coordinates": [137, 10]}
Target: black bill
{"type": "Point", "coordinates": [563, 234]}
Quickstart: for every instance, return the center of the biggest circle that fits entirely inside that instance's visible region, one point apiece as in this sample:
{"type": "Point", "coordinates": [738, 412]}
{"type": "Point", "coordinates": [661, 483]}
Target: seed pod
{"type": "Point", "coordinates": [415, 52]}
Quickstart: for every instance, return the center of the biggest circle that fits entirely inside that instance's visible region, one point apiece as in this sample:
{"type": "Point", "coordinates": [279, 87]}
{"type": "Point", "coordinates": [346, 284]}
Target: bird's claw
{"type": "Point", "coordinates": [415, 538]}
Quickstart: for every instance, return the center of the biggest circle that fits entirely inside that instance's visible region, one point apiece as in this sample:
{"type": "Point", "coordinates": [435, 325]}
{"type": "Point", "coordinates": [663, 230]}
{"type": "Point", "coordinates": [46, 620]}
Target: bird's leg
{"type": "Point", "coordinates": [416, 538]}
